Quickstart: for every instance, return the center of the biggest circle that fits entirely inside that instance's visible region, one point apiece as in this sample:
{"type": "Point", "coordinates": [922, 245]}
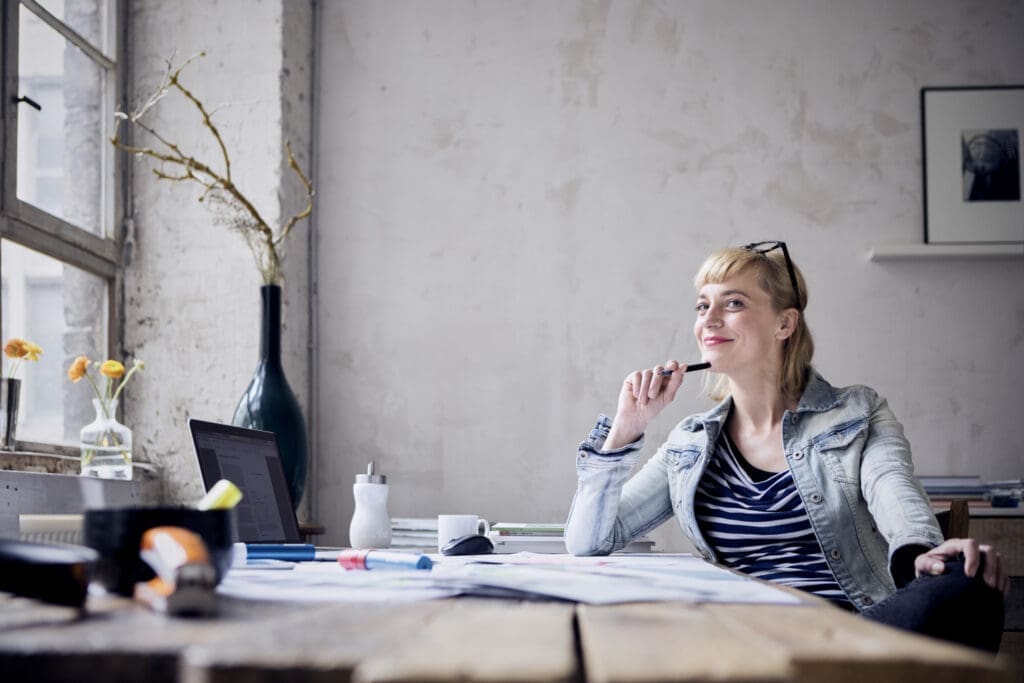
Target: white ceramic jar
{"type": "Point", "coordinates": [371, 523]}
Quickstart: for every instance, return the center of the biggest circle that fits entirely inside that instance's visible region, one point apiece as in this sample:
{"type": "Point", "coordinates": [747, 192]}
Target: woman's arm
{"type": "Point", "coordinates": [607, 511]}
{"type": "Point", "coordinates": [903, 512]}
{"type": "Point", "coordinates": [894, 496]}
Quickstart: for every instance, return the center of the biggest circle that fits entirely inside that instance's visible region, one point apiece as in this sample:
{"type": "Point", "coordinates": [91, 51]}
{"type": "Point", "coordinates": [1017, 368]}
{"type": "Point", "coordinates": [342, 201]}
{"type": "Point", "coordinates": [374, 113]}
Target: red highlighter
{"type": "Point", "coordinates": [383, 559]}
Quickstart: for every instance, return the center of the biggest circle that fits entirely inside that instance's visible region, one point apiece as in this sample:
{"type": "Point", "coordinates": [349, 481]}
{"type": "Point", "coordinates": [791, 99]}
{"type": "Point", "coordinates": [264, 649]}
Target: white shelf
{"type": "Point", "coordinates": [923, 252]}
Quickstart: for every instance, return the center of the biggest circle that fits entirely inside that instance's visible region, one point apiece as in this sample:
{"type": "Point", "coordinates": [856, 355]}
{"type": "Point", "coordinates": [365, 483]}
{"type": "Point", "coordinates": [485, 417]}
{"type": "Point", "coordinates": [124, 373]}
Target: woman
{"type": "Point", "coordinates": [788, 478]}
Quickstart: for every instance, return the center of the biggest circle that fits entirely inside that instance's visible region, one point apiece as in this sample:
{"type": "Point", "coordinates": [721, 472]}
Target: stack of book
{"type": "Point", "coordinates": [1005, 493]}
{"type": "Point", "coordinates": [414, 534]}
{"type": "Point", "coordinates": [969, 487]}
{"type": "Point", "coordinates": [516, 537]}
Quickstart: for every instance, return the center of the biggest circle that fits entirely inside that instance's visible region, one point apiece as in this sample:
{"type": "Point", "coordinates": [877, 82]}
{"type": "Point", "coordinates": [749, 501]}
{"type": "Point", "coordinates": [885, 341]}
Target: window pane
{"type": "Point", "coordinates": [63, 310]}
{"type": "Point", "coordinates": [88, 18]}
{"type": "Point", "coordinates": [43, 296]}
{"type": "Point", "coordinates": [65, 139]}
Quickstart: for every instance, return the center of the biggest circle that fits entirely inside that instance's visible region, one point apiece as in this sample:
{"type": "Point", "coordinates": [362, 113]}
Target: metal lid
{"type": "Point", "coordinates": [370, 477]}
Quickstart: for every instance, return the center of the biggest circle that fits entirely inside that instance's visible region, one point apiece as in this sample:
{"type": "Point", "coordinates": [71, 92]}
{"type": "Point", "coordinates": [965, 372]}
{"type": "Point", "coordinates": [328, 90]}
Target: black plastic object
{"type": "Point", "coordinates": [115, 533]}
{"type": "Point", "coordinates": [474, 544]}
{"type": "Point", "coordinates": [58, 574]}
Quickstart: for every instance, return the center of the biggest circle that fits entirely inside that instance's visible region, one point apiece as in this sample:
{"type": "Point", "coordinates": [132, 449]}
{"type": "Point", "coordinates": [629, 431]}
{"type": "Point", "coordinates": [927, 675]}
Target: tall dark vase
{"type": "Point", "coordinates": [269, 403]}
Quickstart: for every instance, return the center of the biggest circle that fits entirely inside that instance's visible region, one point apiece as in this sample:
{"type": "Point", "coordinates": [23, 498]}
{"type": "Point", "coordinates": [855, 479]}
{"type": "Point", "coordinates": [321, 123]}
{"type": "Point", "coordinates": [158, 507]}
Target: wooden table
{"type": "Point", "coordinates": [471, 640]}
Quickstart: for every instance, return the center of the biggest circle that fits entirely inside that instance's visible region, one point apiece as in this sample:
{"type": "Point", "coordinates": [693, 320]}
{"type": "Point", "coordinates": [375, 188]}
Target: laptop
{"type": "Point", "coordinates": [249, 458]}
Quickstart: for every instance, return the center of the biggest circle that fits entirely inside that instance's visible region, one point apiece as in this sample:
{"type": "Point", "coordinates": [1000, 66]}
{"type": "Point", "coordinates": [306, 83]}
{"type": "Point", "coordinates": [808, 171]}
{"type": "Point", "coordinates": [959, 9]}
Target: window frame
{"type": "Point", "coordinates": [34, 228]}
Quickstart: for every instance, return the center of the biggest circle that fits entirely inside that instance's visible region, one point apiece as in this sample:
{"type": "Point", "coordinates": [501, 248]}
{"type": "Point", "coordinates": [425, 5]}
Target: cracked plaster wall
{"type": "Point", "coordinates": [191, 285]}
{"type": "Point", "coordinates": [519, 194]}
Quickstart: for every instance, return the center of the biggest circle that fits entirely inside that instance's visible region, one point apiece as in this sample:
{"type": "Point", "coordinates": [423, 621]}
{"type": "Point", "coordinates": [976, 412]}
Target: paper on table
{"type": "Point", "coordinates": [615, 579]}
{"type": "Point", "coordinates": [327, 582]}
{"type": "Point", "coordinates": [595, 580]}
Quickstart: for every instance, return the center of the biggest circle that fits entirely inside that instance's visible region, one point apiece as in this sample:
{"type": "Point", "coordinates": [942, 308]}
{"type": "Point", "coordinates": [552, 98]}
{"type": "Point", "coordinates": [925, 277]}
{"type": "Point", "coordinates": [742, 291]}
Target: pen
{"type": "Point", "coordinates": [290, 552]}
{"type": "Point", "coordinates": [383, 559]}
{"type": "Point", "coordinates": [694, 367]}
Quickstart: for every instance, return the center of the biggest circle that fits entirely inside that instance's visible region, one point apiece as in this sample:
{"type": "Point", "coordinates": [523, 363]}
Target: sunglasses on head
{"type": "Point", "coordinates": [766, 247]}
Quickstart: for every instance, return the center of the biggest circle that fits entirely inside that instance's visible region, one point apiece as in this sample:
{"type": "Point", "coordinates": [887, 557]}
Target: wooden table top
{"type": "Point", "coordinates": [471, 640]}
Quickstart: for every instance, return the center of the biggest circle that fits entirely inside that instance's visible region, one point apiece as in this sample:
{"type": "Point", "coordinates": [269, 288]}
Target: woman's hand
{"type": "Point", "coordinates": [933, 561]}
{"type": "Point", "coordinates": [645, 393]}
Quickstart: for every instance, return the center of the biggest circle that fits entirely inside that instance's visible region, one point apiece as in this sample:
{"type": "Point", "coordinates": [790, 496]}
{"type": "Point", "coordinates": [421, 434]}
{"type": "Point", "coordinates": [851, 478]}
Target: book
{"type": "Point", "coordinates": [949, 480]}
{"type": "Point", "coordinates": [414, 523]}
{"type": "Point", "coordinates": [528, 529]}
{"type": "Point", "coordinates": [956, 486]}
{"type": "Point", "coordinates": [413, 534]}
{"type": "Point", "coordinates": [555, 545]}
{"type": "Point", "coordinates": [534, 537]}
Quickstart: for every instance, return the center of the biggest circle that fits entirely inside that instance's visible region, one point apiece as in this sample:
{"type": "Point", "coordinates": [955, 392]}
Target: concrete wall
{"type": "Point", "coordinates": [514, 197]}
{"type": "Point", "coordinates": [191, 287]}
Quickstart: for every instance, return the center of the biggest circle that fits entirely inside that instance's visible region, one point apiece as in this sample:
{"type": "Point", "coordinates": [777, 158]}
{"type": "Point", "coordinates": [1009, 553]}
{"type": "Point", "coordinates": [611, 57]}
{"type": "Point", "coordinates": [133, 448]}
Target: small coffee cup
{"type": "Point", "coordinates": [450, 527]}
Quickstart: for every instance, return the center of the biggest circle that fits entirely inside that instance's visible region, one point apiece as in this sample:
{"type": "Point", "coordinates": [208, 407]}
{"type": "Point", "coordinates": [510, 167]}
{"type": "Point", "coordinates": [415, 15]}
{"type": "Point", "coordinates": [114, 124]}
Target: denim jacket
{"type": "Point", "coordinates": [849, 459]}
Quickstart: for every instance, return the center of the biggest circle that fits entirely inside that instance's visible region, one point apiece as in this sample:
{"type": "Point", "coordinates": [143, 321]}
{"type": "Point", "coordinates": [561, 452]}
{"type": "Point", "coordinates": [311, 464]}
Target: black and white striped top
{"type": "Point", "coordinates": [756, 523]}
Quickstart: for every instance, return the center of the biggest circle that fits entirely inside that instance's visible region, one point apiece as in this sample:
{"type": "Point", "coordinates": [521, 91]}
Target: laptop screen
{"type": "Point", "coordinates": [250, 459]}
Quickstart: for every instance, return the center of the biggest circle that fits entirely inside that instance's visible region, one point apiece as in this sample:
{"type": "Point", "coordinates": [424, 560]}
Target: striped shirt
{"type": "Point", "coordinates": [756, 523]}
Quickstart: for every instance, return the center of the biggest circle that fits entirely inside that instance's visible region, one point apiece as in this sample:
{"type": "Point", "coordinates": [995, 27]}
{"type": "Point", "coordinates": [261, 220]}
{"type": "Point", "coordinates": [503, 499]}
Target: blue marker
{"type": "Point", "coordinates": [286, 552]}
{"type": "Point", "coordinates": [289, 552]}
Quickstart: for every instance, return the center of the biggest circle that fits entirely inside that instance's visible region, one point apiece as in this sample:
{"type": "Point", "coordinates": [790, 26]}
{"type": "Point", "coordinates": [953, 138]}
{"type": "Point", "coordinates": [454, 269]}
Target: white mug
{"type": "Point", "coordinates": [456, 526]}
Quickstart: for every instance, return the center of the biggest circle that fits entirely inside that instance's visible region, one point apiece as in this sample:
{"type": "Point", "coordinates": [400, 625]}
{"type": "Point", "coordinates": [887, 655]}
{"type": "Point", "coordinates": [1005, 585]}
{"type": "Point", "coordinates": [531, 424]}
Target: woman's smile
{"type": "Point", "coordinates": [714, 341]}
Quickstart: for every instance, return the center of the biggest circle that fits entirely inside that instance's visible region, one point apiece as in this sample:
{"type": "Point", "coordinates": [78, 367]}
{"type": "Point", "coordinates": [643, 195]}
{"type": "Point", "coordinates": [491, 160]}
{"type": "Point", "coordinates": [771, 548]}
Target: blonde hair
{"type": "Point", "coordinates": [773, 277]}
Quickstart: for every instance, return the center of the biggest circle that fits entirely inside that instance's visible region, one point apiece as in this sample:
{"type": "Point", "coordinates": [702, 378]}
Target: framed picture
{"type": "Point", "coordinates": [971, 145]}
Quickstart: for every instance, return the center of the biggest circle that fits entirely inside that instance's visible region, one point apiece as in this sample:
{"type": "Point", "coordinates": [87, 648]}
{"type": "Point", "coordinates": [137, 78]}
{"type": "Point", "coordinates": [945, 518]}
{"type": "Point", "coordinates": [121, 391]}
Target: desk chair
{"type": "Point", "coordinates": [956, 521]}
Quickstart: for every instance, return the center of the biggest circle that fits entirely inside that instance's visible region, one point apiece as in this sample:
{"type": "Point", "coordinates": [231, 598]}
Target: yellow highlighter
{"type": "Point", "coordinates": [223, 495]}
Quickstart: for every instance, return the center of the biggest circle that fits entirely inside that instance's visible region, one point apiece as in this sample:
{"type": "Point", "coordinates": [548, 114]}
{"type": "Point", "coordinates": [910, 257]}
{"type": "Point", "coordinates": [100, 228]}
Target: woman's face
{"type": "Point", "coordinates": [737, 326]}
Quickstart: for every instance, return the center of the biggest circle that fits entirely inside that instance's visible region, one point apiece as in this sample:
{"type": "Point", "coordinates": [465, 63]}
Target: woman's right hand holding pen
{"type": "Point", "coordinates": [644, 394]}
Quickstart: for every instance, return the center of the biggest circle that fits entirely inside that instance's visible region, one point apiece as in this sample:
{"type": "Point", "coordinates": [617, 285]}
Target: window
{"type": "Point", "coordinates": [60, 255]}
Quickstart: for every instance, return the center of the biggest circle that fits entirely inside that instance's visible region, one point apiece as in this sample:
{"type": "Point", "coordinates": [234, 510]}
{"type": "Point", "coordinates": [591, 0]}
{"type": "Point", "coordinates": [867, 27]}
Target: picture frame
{"type": "Point", "coordinates": [971, 141]}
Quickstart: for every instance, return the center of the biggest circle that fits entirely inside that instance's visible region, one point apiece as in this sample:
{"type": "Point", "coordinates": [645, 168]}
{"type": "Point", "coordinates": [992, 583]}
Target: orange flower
{"type": "Point", "coordinates": [20, 350]}
{"type": "Point", "coordinates": [16, 348]}
{"type": "Point", "coordinates": [32, 351]}
{"type": "Point", "coordinates": [78, 368]}
{"type": "Point", "coordinates": [112, 369]}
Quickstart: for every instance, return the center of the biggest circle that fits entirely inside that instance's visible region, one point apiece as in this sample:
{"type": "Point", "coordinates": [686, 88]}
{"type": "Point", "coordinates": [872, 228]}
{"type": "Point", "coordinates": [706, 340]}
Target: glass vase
{"type": "Point", "coordinates": [106, 444]}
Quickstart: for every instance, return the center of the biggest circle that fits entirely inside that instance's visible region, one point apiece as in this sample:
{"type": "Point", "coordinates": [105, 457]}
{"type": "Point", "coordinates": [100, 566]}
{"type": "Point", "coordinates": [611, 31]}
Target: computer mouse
{"type": "Point", "coordinates": [474, 544]}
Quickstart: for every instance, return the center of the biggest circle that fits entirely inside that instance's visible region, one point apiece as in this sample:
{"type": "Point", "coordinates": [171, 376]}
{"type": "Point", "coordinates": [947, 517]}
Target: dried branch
{"type": "Point", "coordinates": [308, 186]}
{"type": "Point", "coordinates": [239, 214]}
{"type": "Point", "coordinates": [207, 121]}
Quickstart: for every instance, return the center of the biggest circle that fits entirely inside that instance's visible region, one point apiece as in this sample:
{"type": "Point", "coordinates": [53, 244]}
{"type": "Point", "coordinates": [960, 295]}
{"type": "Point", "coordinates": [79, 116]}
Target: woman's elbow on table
{"type": "Point", "coordinates": [583, 544]}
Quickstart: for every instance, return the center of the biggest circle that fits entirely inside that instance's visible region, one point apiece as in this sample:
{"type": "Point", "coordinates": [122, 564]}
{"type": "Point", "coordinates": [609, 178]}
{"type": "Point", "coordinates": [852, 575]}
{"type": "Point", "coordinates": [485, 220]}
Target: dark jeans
{"type": "Point", "coordinates": [951, 606]}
